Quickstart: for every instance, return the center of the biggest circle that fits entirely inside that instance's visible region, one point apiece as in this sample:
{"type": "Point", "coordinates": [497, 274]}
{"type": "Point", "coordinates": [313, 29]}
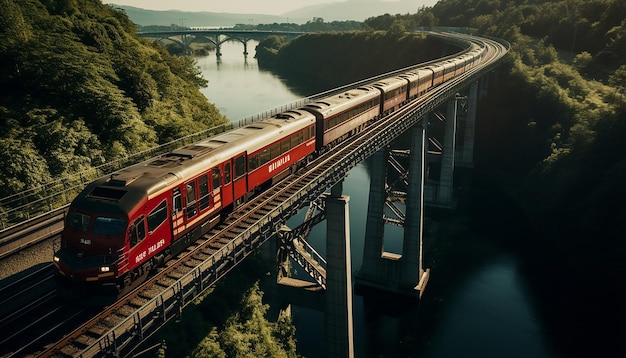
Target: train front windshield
{"type": "Point", "coordinates": [108, 226]}
{"type": "Point", "coordinates": [101, 226]}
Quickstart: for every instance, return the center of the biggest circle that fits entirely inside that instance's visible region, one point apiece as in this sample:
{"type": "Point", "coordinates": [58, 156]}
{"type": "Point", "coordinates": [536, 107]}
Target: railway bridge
{"type": "Point", "coordinates": [122, 326]}
{"type": "Point", "coordinates": [185, 37]}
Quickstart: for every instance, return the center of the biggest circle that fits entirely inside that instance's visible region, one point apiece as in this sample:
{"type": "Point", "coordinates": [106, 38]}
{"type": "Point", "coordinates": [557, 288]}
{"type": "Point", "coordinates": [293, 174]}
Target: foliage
{"type": "Point", "coordinates": [20, 166]}
{"type": "Point", "coordinates": [314, 58]}
{"type": "Point", "coordinates": [316, 25]}
{"type": "Point", "coordinates": [552, 134]}
{"type": "Point", "coordinates": [85, 90]}
{"type": "Point", "coordinates": [574, 26]}
{"type": "Point", "coordinates": [267, 50]}
{"type": "Point", "coordinates": [231, 320]}
{"type": "Point", "coordinates": [248, 334]}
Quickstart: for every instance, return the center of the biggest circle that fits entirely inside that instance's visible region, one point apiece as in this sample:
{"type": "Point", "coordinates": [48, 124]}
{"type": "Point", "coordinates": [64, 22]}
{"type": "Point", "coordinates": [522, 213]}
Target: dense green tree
{"type": "Point", "coordinates": [249, 334]}
{"type": "Point", "coordinates": [315, 59]}
{"type": "Point", "coordinates": [79, 82]}
{"type": "Point", "coordinates": [21, 166]}
{"type": "Point", "coordinates": [268, 48]}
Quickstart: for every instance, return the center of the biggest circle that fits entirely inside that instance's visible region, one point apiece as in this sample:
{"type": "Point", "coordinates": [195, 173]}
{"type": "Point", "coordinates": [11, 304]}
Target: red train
{"type": "Point", "coordinates": [120, 227]}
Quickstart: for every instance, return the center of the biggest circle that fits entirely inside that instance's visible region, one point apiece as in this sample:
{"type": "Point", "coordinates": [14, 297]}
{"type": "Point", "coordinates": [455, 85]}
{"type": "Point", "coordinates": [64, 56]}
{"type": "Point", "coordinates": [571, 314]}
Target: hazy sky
{"type": "Point", "coordinates": [269, 7]}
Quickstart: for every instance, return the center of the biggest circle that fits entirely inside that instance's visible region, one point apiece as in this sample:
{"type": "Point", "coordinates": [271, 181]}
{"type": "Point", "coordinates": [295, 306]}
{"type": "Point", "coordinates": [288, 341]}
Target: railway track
{"type": "Point", "coordinates": [31, 232]}
{"type": "Point", "coordinates": [31, 312]}
{"type": "Point", "coordinates": [225, 246]}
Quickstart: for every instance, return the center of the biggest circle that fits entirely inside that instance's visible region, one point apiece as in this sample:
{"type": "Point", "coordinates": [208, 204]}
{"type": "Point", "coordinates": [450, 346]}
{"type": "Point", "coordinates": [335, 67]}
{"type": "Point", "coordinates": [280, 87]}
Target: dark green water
{"type": "Point", "coordinates": [478, 302]}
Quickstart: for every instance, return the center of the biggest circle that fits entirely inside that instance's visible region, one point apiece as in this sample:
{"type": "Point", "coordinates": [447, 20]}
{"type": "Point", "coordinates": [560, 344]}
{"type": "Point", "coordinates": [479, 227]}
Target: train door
{"type": "Point", "coordinates": [178, 216]}
{"type": "Point", "coordinates": [191, 200]}
{"type": "Point", "coordinates": [227, 185]}
{"type": "Point", "coordinates": [240, 185]}
{"type": "Point", "coordinates": [216, 186]}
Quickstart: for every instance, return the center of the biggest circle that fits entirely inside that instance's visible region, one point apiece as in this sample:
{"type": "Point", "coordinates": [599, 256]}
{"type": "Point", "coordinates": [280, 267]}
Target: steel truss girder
{"type": "Point", "coordinates": [294, 244]}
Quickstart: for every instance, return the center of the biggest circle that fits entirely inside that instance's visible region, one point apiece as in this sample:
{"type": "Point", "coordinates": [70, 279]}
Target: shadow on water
{"type": "Point", "coordinates": [478, 302]}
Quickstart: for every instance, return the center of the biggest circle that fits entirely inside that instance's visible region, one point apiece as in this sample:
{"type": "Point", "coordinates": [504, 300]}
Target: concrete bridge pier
{"type": "Point", "coordinates": [338, 329]}
{"type": "Point", "coordinates": [466, 150]}
{"type": "Point", "coordinates": [397, 273]}
{"type": "Point", "coordinates": [446, 179]}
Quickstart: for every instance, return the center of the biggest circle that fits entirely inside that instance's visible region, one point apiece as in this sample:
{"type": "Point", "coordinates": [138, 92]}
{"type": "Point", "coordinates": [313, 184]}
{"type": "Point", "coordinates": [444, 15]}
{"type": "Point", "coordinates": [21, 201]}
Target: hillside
{"type": "Point", "coordinates": [80, 89]}
{"type": "Point", "coordinates": [551, 136]}
{"type": "Point", "coordinates": [143, 17]}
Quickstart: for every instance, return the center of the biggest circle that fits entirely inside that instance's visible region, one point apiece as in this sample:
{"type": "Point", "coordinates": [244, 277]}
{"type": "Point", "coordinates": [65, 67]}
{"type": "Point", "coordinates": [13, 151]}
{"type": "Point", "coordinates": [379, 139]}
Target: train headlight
{"type": "Point", "coordinates": [56, 259]}
{"type": "Point", "coordinates": [105, 268]}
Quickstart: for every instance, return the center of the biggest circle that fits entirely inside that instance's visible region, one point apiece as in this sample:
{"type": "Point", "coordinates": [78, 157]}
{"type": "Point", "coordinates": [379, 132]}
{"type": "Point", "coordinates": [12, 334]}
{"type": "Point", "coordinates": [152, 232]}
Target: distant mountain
{"type": "Point", "coordinates": [193, 19]}
{"type": "Point", "coordinates": [357, 10]}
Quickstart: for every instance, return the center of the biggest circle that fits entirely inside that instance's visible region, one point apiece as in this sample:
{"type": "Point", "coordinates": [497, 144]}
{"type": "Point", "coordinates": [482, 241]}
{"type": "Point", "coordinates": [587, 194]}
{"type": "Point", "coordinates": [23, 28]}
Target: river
{"type": "Point", "coordinates": [478, 302]}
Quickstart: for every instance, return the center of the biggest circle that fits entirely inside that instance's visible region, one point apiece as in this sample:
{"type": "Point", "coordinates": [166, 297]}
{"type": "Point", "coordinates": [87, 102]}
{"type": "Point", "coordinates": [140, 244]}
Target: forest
{"type": "Point", "coordinates": [551, 135]}
{"type": "Point", "coordinates": [80, 89]}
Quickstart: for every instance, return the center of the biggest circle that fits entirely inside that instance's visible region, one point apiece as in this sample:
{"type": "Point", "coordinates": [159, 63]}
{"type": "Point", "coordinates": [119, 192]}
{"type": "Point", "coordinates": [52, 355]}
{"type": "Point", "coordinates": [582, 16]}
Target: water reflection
{"type": "Point", "coordinates": [478, 308]}
{"type": "Point", "coordinates": [489, 315]}
{"type": "Point", "coordinates": [238, 87]}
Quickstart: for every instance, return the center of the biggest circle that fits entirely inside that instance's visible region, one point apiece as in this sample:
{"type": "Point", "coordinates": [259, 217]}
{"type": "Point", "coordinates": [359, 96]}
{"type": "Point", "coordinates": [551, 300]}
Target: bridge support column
{"type": "Point", "coordinates": [413, 275]}
{"type": "Point", "coordinates": [467, 146]}
{"type": "Point", "coordinates": [385, 270]}
{"type": "Point", "coordinates": [446, 178]}
{"type": "Point", "coordinates": [218, 46]}
{"type": "Point", "coordinates": [339, 337]}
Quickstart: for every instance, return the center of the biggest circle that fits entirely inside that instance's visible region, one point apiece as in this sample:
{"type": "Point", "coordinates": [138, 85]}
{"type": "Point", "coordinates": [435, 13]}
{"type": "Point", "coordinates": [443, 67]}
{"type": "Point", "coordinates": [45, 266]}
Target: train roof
{"type": "Point", "coordinates": [390, 83]}
{"type": "Point", "coordinates": [337, 103]}
{"type": "Point", "coordinates": [127, 187]}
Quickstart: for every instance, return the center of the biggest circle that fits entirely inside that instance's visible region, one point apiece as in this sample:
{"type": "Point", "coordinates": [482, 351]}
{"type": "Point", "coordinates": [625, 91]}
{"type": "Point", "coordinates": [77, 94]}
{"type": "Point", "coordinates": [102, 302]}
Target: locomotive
{"type": "Point", "coordinates": [122, 226]}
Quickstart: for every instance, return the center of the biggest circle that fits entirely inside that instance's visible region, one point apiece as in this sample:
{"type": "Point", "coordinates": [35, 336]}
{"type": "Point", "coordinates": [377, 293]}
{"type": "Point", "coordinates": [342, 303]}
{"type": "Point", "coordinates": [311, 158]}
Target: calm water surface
{"type": "Point", "coordinates": [484, 310]}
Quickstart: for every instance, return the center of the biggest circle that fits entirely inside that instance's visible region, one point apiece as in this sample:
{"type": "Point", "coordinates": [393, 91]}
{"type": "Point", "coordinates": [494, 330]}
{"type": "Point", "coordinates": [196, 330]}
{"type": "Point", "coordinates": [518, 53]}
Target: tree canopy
{"type": "Point", "coordinates": [79, 88]}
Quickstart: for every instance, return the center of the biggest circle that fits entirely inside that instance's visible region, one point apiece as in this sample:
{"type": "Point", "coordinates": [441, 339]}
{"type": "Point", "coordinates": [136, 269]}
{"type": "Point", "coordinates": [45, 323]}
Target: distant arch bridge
{"type": "Point", "coordinates": [185, 37]}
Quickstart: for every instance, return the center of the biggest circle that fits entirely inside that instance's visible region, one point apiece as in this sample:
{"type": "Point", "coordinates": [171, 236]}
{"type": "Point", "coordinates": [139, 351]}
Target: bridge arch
{"type": "Point", "coordinates": [217, 37]}
{"type": "Point", "coordinates": [175, 41]}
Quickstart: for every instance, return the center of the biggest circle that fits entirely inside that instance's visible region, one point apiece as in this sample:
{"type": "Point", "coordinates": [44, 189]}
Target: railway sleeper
{"type": "Point", "coordinates": [98, 330]}
{"type": "Point", "coordinates": [215, 245]}
{"type": "Point", "coordinates": [70, 350]}
{"type": "Point", "coordinates": [137, 302]}
{"type": "Point", "coordinates": [83, 341]}
{"type": "Point", "coordinates": [174, 276]}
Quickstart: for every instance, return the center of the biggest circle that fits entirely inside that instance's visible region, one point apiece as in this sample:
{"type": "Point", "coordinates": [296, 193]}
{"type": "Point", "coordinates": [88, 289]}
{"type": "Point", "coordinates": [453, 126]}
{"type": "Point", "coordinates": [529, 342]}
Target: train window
{"type": "Point", "coordinates": [240, 166]}
{"type": "Point", "coordinates": [177, 200]}
{"type": "Point", "coordinates": [275, 151]}
{"type": "Point", "coordinates": [253, 162]}
{"type": "Point", "coordinates": [216, 178]}
{"type": "Point", "coordinates": [203, 184]}
{"type": "Point", "coordinates": [137, 231]}
{"type": "Point", "coordinates": [226, 173]}
{"type": "Point", "coordinates": [295, 140]}
{"type": "Point", "coordinates": [78, 221]}
{"type": "Point", "coordinates": [264, 157]}
{"type": "Point", "coordinates": [191, 199]}
{"type": "Point", "coordinates": [109, 226]}
{"type": "Point", "coordinates": [285, 145]}
{"type": "Point", "coordinates": [157, 217]}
